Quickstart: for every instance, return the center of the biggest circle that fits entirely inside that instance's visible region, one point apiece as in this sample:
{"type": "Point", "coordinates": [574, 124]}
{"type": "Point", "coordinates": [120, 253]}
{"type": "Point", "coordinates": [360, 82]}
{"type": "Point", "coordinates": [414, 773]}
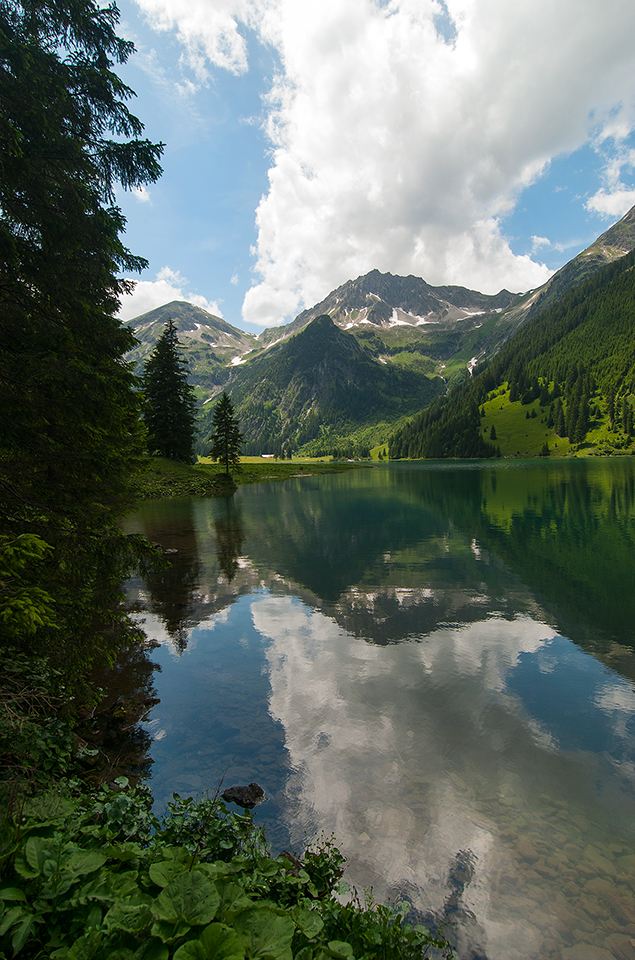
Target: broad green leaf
{"type": "Point", "coordinates": [11, 918]}
{"type": "Point", "coordinates": [165, 871]}
{"type": "Point", "coordinates": [22, 933]}
{"type": "Point", "coordinates": [265, 934]}
{"type": "Point", "coordinates": [12, 893]}
{"type": "Point", "coordinates": [124, 852]}
{"type": "Point", "coordinates": [46, 809]}
{"type": "Point", "coordinates": [122, 885]}
{"type": "Point", "coordinates": [308, 921]}
{"type": "Point", "coordinates": [340, 950]}
{"type": "Point", "coordinates": [233, 900]}
{"type": "Point", "coordinates": [82, 862]}
{"type": "Point", "coordinates": [130, 917]}
{"type": "Point", "coordinates": [306, 953]}
{"type": "Point", "coordinates": [217, 942]}
{"type": "Point", "coordinates": [94, 918]}
{"type": "Point", "coordinates": [169, 932]}
{"type": "Point", "coordinates": [86, 947]}
{"type": "Point", "coordinates": [191, 898]}
{"type": "Point", "coordinates": [37, 854]}
{"type": "Point", "coordinates": [97, 888]}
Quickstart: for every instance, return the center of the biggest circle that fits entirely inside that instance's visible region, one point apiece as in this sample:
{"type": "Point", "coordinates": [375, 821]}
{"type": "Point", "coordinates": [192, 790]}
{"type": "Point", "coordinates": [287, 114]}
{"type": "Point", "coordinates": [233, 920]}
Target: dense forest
{"type": "Point", "coordinates": [577, 359]}
{"type": "Point", "coordinates": [70, 432]}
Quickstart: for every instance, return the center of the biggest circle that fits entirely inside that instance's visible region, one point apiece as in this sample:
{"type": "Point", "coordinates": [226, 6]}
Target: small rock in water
{"type": "Point", "coordinates": [526, 850]}
{"type": "Point", "coordinates": [246, 797]}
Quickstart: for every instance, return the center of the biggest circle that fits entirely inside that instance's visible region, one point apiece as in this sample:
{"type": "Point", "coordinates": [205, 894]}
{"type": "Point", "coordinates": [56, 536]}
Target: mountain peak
{"type": "Point", "coordinates": [621, 235]}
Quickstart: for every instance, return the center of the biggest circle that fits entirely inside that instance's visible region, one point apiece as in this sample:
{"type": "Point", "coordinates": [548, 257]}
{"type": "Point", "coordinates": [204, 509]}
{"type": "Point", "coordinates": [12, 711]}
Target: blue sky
{"type": "Point", "coordinates": [473, 142]}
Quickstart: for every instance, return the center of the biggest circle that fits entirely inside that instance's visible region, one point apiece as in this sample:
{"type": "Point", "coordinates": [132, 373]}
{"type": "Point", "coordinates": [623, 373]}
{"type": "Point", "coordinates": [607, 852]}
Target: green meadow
{"type": "Point", "coordinates": [521, 430]}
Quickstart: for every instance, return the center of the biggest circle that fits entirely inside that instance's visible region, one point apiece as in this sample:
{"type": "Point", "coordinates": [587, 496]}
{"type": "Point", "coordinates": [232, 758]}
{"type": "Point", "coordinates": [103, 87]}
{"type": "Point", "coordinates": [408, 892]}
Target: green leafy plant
{"type": "Point", "coordinates": [98, 876]}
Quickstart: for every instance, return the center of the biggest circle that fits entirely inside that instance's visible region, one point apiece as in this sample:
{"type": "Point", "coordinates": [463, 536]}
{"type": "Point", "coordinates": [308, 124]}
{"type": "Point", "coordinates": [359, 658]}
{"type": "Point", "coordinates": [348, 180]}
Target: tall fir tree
{"type": "Point", "coordinates": [226, 438]}
{"type": "Point", "coordinates": [69, 434]}
{"type": "Point", "coordinates": [169, 406]}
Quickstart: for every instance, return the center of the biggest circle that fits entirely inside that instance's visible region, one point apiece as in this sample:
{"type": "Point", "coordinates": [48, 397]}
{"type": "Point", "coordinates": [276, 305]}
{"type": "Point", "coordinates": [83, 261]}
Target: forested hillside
{"type": "Point", "coordinates": [572, 368]}
{"type": "Point", "coordinates": [618, 240]}
{"type": "Point", "coordinates": [315, 390]}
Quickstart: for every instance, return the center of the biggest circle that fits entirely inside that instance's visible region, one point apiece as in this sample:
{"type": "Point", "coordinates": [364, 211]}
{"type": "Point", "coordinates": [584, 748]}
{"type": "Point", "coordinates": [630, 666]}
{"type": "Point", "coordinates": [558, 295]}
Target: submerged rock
{"type": "Point", "coordinates": [246, 797]}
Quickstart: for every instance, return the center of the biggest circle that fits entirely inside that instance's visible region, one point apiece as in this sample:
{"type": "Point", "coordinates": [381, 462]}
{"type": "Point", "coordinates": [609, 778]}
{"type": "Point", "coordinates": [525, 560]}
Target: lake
{"type": "Point", "coordinates": [435, 663]}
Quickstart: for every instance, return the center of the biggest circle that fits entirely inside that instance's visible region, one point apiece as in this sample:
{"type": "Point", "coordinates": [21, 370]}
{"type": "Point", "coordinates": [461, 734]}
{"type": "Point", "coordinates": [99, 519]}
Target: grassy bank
{"type": "Point", "coordinates": [160, 477]}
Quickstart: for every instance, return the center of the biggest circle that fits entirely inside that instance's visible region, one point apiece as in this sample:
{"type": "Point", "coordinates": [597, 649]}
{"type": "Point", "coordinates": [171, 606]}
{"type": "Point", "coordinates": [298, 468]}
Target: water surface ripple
{"type": "Point", "coordinates": [433, 662]}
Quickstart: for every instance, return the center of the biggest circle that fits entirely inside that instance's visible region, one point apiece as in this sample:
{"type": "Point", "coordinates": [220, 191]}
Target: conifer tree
{"type": "Point", "coordinates": [70, 413]}
{"type": "Point", "coordinates": [226, 438]}
{"type": "Point", "coordinates": [69, 409]}
{"type": "Point", "coordinates": [169, 408]}
{"type": "Point", "coordinates": [559, 421]}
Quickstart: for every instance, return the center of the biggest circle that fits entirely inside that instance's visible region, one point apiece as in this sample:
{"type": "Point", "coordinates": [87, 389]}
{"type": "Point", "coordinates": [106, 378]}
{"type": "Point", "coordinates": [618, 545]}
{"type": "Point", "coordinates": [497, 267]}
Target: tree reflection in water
{"type": "Point", "coordinates": [230, 536]}
{"type": "Point", "coordinates": [171, 585]}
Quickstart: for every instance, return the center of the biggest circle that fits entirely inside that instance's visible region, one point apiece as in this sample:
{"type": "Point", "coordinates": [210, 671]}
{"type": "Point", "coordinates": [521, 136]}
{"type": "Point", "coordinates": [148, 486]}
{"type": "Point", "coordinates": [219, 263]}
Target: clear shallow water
{"type": "Point", "coordinates": [434, 663]}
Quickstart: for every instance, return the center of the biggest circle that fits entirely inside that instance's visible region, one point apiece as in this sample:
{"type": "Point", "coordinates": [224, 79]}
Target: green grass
{"type": "Point", "coordinates": [381, 448]}
{"type": "Point", "coordinates": [416, 361]}
{"type": "Point", "coordinates": [516, 435]}
{"type": "Point", "coordinates": [160, 477]}
{"type": "Point", "coordinates": [520, 436]}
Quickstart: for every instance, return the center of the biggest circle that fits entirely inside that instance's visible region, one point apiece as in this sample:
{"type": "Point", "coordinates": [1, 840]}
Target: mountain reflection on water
{"type": "Point", "coordinates": [433, 662]}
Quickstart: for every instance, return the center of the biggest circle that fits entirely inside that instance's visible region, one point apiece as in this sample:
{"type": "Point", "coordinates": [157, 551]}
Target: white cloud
{"type": "Point", "coordinates": [614, 199]}
{"type": "Point", "coordinates": [169, 285]}
{"type": "Point", "coordinates": [538, 242]}
{"type": "Point", "coordinates": [142, 194]}
{"type": "Point", "coordinates": [208, 29]}
{"type": "Point", "coordinates": [395, 149]}
{"type": "Point", "coordinates": [612, 205]}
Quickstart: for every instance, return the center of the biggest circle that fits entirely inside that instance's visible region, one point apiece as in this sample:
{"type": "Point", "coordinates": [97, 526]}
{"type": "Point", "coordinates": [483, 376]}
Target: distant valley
{"type": "Point", "coordinates": [344, 375]}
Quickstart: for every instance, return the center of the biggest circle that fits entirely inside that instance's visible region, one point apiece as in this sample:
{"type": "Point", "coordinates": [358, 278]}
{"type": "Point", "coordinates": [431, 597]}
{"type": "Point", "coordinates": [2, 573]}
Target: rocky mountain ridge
{"type": "Point", "coordinates": [405, 339]}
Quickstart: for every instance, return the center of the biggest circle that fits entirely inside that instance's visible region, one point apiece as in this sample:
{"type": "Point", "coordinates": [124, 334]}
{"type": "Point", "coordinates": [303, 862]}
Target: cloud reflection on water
{"type": "Point", "coordinates": [389, 773]}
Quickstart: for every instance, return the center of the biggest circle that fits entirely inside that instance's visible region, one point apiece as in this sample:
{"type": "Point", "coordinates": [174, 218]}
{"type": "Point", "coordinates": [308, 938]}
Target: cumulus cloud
{"type": "Point", "coordinates": [142, 194]}
{"type": "Point", "coordinates": [614, 198]}
{"type": "Point", "coordinates": [401, 146]}
{"type": "Point", "coordinates": [612, 205]}
{"type": "Point", "coordinates": [169, 285]}
{"type": "Point", "coordinates": [208, 30]}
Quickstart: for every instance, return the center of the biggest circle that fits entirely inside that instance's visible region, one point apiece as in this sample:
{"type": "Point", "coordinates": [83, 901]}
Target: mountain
{"type": "Point", "coordinates": [209, 343]}
{"type": "Point", "coordinates": [615, 243]}
{"type": "Point", "coordinates": [565, 383]}
{"type": "Point", "coordinates": [407, 322]}
{"type": "Point", "coordinates": [382, 299]}
{"type": "Point", "coordinates": [445, 329]}
{"type": "Point", "coordinates": [321, 386]}
{"type": "Point", "coordinates": [401, 342]}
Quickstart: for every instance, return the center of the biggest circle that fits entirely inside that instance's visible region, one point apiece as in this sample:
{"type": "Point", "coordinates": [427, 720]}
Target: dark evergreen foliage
{"type": "Point", "coordinates": [226, 438]}
{"type": "Point", "coordinates": [583, 343]}
{"type": "Point", "coordinates": [70, 430]}
{"type": "Point", "coordinates": [169, 406]}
